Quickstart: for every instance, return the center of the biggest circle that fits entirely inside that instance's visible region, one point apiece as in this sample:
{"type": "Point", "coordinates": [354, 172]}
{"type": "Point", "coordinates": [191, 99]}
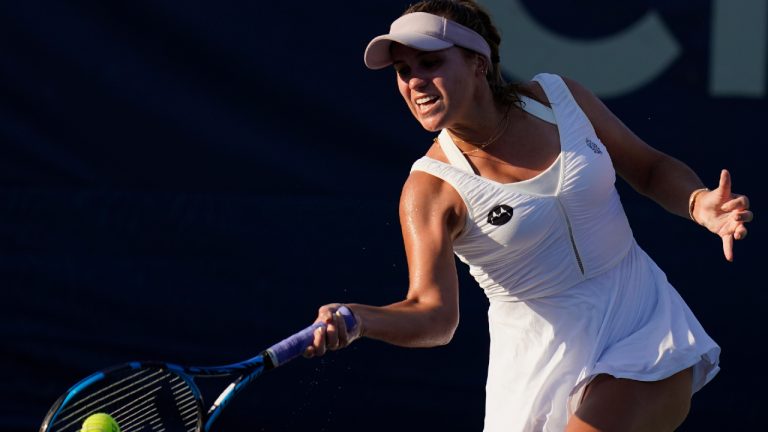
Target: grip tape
{"type": "Point", "coordinates": [293, 346]}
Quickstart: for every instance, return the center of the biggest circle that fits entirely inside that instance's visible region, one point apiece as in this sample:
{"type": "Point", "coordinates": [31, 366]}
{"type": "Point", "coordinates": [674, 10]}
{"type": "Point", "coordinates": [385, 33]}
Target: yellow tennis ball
{"type": "Point", "coordinates": [100, 422]}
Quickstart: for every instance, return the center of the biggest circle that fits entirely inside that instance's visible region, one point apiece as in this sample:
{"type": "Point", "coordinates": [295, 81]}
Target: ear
{"type": "Point", "coordinates": [482, 65]}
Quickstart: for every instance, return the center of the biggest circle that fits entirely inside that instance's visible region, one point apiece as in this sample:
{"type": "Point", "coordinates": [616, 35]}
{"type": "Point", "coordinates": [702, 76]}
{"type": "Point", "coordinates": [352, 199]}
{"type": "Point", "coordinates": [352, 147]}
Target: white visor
{"type": "Point", "coordinates": [424, 32]}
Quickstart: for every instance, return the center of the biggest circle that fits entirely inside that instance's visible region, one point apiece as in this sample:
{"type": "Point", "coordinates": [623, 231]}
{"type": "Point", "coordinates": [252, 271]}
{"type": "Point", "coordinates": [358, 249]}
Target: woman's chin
{"type": "Point", "coordinates": [431, 125]}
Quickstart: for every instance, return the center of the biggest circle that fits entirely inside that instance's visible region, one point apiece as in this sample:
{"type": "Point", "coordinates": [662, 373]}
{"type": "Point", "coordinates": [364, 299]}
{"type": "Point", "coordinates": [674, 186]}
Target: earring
{"type": "Point", "coordinates": [483, 65]}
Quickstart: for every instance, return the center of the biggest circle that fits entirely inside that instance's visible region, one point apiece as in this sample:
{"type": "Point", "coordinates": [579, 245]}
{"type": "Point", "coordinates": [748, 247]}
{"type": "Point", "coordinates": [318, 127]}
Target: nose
{"type": "Point", "coordinates": [416, 82]}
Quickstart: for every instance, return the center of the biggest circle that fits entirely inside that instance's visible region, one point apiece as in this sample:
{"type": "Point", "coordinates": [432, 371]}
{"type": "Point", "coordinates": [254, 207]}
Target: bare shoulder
{"type": "Point", "coordinates": [608, 127]}
{"type": "Point", "coordinates": [587, 100]}
{"type": "Point", "coordinates": [606, 124]}
{"type": "Point", "coordinates": [589, 103]}
{"type": "Point", "coordinates": [576, 87]}
{"type": "Point", "coordinates": [426, 199]}
{"type": "Point", "coordinates": [425, 191]}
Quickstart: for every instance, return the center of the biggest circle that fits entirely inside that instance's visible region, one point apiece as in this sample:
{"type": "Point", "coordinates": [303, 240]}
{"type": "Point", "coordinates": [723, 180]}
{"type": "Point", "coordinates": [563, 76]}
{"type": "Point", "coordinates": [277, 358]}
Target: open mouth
{"type": "Point", "coordinates": [426, 102]}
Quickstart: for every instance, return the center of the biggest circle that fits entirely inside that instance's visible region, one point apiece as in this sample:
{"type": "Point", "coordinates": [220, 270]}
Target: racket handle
{"type": "Point", "coordinates": [293, 346]}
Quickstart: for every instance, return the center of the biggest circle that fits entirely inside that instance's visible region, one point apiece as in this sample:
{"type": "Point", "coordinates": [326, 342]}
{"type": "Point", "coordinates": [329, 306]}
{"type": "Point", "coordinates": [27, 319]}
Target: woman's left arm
{"type": "Point", "coordinates": [666, 180]}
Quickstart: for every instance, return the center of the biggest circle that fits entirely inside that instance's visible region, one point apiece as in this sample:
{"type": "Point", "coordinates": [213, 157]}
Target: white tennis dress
{"type": "Point", "coordinates": [571, 293]}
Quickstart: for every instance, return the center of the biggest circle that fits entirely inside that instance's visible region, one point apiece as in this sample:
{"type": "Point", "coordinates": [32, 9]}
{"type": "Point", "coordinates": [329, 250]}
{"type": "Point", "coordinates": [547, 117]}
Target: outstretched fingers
{"type": "Point", "coordinates": [741, 217]}
{"type": "Point", "coordinates": [736, 202]}
{"type": "Point", "coordinates": [728, 247]}
{"type": "Point", "coordinates": [733, 214]}
{"type": "Point", "coordinates": [724, 186]}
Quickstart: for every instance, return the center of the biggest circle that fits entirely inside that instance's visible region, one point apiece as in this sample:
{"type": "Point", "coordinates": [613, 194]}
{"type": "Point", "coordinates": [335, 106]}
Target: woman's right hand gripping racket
{"type": "Point", "coordinates": [163, 397]}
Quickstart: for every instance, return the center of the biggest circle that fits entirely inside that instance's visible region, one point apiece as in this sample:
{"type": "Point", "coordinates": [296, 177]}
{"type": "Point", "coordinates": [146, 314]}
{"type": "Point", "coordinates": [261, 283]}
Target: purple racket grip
{"type": "Point", "coordinates": [293, 346]}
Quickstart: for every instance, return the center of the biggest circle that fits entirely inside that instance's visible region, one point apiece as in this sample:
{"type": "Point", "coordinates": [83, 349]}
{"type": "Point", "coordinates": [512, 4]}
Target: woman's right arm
{"type": "Point", "coordinates": [431, 215]}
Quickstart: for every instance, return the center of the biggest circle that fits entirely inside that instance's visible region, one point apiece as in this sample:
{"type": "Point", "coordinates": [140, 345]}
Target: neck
{"type": "Point", "coordinates": [481, 119]}
{"type": "Point", "coordinates": [484, 128]}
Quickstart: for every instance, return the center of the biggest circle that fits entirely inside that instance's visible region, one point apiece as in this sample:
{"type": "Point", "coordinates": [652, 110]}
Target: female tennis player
{"type": "Point", "coordinates": [586, 332]}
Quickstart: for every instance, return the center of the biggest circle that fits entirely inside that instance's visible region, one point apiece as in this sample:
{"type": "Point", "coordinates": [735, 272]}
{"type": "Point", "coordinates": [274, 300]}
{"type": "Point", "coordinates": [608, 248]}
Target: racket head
{"type": "Point", "coordinates": [140, 396]}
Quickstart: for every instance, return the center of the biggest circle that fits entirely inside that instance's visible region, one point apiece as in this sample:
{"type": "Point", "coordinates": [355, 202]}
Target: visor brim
{"type": "Point", "coordinates": [377, 55]}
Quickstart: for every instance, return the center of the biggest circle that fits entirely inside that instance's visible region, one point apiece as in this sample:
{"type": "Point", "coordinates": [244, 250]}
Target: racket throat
{"type": "Point", "coordinates": [223, 397]}
{"type": "Point", "coordinates": [219, 404]}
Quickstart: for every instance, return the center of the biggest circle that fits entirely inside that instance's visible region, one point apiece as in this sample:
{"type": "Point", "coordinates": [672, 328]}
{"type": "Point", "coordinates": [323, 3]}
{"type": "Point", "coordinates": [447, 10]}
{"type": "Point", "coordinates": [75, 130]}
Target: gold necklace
{"type": "Point", "coordinates": [500, 129]}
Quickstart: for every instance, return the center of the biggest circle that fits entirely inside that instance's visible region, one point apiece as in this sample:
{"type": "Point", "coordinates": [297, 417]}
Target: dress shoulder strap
{"type": "Point", "coordinates": [564, 106]}
{"type": "Point", "coordinates": [453, 153]}
{"type": "Point", "coordinates": [464, 183]}
{"type": "Point", "coordinates": [554, 87]}
{"type": "Point", "coordinates": [538, 109]}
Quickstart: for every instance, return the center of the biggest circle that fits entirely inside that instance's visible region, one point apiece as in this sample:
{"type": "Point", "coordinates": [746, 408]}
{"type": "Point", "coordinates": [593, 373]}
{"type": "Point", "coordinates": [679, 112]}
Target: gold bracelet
{"type": "Point", "coordinates": [692, 202]}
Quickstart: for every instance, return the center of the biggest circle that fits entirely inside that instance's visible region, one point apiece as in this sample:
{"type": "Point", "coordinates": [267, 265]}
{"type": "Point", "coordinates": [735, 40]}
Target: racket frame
{"type": "Point", "coordinates": [248, 370]}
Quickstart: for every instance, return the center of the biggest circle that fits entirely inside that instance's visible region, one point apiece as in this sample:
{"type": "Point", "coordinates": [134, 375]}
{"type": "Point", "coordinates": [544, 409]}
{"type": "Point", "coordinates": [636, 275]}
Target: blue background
{"type": "Point", "coordinates": [189, 181]}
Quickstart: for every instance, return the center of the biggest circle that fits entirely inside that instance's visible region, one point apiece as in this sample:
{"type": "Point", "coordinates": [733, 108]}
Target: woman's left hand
{"type": "Point", "coordinates": [723, 213]}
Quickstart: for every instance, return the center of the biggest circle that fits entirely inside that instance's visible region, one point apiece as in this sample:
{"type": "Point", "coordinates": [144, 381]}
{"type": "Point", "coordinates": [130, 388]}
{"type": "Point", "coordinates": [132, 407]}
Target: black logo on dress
{"type": "Point", "coordinates": [591, 144]}
{"type": "Point", "coordinates": [500, 215]}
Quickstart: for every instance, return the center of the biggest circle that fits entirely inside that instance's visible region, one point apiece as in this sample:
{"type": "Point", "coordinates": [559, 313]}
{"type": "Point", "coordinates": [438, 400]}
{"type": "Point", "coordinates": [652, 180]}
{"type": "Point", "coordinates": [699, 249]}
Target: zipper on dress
{"type": "Point", "coordinates": [570, 235]}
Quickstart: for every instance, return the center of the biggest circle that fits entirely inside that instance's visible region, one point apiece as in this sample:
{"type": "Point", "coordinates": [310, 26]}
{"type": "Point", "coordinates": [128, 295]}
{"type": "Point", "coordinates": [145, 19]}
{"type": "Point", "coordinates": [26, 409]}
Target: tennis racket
{"type": "Point", "coordinates": [162, 397]}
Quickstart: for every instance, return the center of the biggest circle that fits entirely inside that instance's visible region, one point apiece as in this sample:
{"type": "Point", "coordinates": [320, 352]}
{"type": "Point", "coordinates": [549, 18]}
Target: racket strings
{"type": "Point", "coordinates": [117, 392]}
{"type": "Point", "coordinates": [144, 416]}
{"type": "Point", "coordinates": [185, 403]}
{"type": "Point", "coordinates": [134, 402]}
